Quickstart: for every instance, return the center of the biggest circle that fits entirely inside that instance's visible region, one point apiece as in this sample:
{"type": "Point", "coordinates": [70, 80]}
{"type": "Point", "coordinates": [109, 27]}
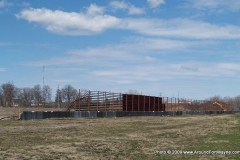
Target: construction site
{"type": "Point", "coordinates": [109, 104]}
{"type": "Point", "coordinates": [109, 101]}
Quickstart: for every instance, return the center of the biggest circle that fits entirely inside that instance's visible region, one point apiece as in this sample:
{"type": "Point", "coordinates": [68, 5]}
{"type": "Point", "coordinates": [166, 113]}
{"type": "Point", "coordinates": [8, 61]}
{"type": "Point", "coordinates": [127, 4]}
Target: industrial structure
{"type": "Point", "coordinates": [109, 101]}
{"type": "Point", "coordinates": [96, 104]}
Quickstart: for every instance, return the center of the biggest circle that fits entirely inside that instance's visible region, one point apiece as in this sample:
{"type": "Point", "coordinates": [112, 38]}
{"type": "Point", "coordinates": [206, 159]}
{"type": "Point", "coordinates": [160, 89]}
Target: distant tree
{"type": "Point", "coordinates": [8, 94]}
{"type": "Point", "coordinates": [27, 96]}
{"type": "Point", "coordinates": [131, 91]}
{"type": "Point", "coordinates": [1, 97]}
{"type": "Point", "coordinates": [69, 93]}
{"type": "Point", "coordinates": [47, 94]}
{"type": "Point", "coordinates": [236, 102]}
{"type": "Point", "coordinates": [37, 94]}
{"type": "Point", "coordinates": [215, 99]}
{"type": "Point", "coordinates": [58, 98]}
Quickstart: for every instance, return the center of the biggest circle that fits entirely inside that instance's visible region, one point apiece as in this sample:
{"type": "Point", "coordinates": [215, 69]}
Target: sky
{"type": "Point", "coordinates": [185, 48]}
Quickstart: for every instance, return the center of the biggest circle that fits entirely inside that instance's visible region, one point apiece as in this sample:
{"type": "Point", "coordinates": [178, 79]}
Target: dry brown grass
{"type": "Point", "coordinates": [116, 138]}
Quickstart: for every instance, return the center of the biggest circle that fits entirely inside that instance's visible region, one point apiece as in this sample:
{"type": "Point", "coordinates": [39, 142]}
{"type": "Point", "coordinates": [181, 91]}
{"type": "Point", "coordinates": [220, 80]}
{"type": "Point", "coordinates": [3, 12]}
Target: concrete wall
{"type": "Point", "coordinates": [28, 115]}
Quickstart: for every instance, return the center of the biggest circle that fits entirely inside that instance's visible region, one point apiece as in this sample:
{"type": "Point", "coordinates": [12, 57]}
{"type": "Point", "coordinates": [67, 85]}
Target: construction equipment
{"type": "Point", "coordinates": [220, 105]}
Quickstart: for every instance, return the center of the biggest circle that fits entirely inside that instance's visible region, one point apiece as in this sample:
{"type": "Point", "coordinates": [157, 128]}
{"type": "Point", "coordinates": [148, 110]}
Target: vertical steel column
{"type": "Point", "coordinates": [175, 103]}
{"type": "Point", "coordinates": [144, 103]}
{"type": "Point", "coordinates": [105, 101]}
{"type": "Point", "coordinates": [120, 101]}
{"type": "Point", "coordinates": [148, 103]}
{"type": "Point", "coordinates": [167, 105]}
{"type": "Point", "coordinates": [126, 102]}
{"type": "Point", "coordinates": [112, 101]}
{"type": "Point", "coordinates": [97, 100]}
{"type": "Point", "coordinates": [132, 101]}
{"type": "Point", "coordinates": [154, 103]}
{"type": "Point", "coordinates": [138, 103]}
{"type": "Point", "coordinates": [178, 104]}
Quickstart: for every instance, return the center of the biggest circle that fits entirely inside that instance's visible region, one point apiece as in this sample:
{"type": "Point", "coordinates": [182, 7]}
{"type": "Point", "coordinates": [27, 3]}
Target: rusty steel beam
{"type": "Point", "coordinates": [138, 103]}
{"type": "Point", "coordinates": [132, 101]}
{"type": "Point", "coordinates": [126, 102]}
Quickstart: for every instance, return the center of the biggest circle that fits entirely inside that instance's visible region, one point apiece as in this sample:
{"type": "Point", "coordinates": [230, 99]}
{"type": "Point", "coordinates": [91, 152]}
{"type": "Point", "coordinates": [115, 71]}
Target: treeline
{"type": "Point", "coordinates": [10, 95]}
{"type": "Point", "coordinates": [233, 102]}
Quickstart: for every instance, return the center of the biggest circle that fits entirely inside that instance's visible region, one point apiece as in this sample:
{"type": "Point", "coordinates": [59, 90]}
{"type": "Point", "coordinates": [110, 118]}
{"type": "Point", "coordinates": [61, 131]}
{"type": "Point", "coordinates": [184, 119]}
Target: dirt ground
{"type": "Point", "coordinates": [118, 138]}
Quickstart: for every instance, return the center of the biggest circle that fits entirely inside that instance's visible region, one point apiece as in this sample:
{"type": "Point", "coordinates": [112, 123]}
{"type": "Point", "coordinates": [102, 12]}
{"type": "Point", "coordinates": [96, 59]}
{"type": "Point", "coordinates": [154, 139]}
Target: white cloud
{"type": "Point", "coordinates": [134, 49]}
{"type": "Point", "coordinates": [155, 3]}
{"type": "Point", "coordinates": [1, 3]}
{"type": "Point", "coordinates": [5, 3]}
{"type": "Point", "coordinates": [94, 10]}
{"type": "Point", "coordinates": [151, 59]}
{"type": "Point", "coordinates": [135, 10]}
{"type": "Point", "coordinates": [132, 10]}
{"type": "Point", "coordinates": [119, 5]}
{"type": "Point", "coordinates": [232, 5]}
{"type": "Point", "coordinates": [182, 28]}
{"type": "Point", "coordinates": [25, 4]}
{"type": "Point", "coordinates": [189, 67]}
{"type": "Point", "coordinates": [71, 23]}
{"type": "Point", "coordinates": [94, 21]}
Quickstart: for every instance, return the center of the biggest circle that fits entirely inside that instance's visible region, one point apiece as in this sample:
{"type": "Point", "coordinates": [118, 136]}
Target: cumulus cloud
{"type": "Point", "coordinates": [155, 3]}
{"type": "Point", "coordinates": [71, 23]}
{"type": "Point", "coordinates": [132, 10]}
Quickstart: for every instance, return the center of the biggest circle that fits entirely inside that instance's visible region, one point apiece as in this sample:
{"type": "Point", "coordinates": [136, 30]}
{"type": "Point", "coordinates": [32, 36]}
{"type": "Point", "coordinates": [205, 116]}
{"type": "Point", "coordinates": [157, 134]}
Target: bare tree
{"type": "Point", "coordinates": [8, 94]}
{"type": "Point", "coordinates": [1, 97]}
{"type": "Point", "coordinates": [216, 99]}
{"type": "Point", "coordinates": [236, 102]}
{"type": "Point", "coordinates": [47, 94]}
{"type": "Point", "coordinates": [27, 96]}
{"type": "Point", "coordinates": [37, 94]}
{"type": "Point", "coordinates": [131, 91]}
{"type": "Point", "coordinates": [58, 98]}
{"type": "Point", "coordinates": [69, 93]}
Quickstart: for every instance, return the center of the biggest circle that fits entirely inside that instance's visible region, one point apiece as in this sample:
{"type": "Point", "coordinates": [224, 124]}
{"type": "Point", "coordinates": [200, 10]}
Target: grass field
{"type": "Point", "coordinates": [120, 138]}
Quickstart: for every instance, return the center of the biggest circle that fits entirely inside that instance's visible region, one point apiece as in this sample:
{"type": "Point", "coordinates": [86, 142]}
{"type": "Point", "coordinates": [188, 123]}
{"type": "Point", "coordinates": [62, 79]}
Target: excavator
{"type": "Point", "coordinates": [221, 106]}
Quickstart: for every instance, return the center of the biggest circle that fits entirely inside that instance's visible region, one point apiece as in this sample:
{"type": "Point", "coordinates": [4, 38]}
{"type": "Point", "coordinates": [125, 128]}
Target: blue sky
{"type": "Point", "coordinates": [190, 47]}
